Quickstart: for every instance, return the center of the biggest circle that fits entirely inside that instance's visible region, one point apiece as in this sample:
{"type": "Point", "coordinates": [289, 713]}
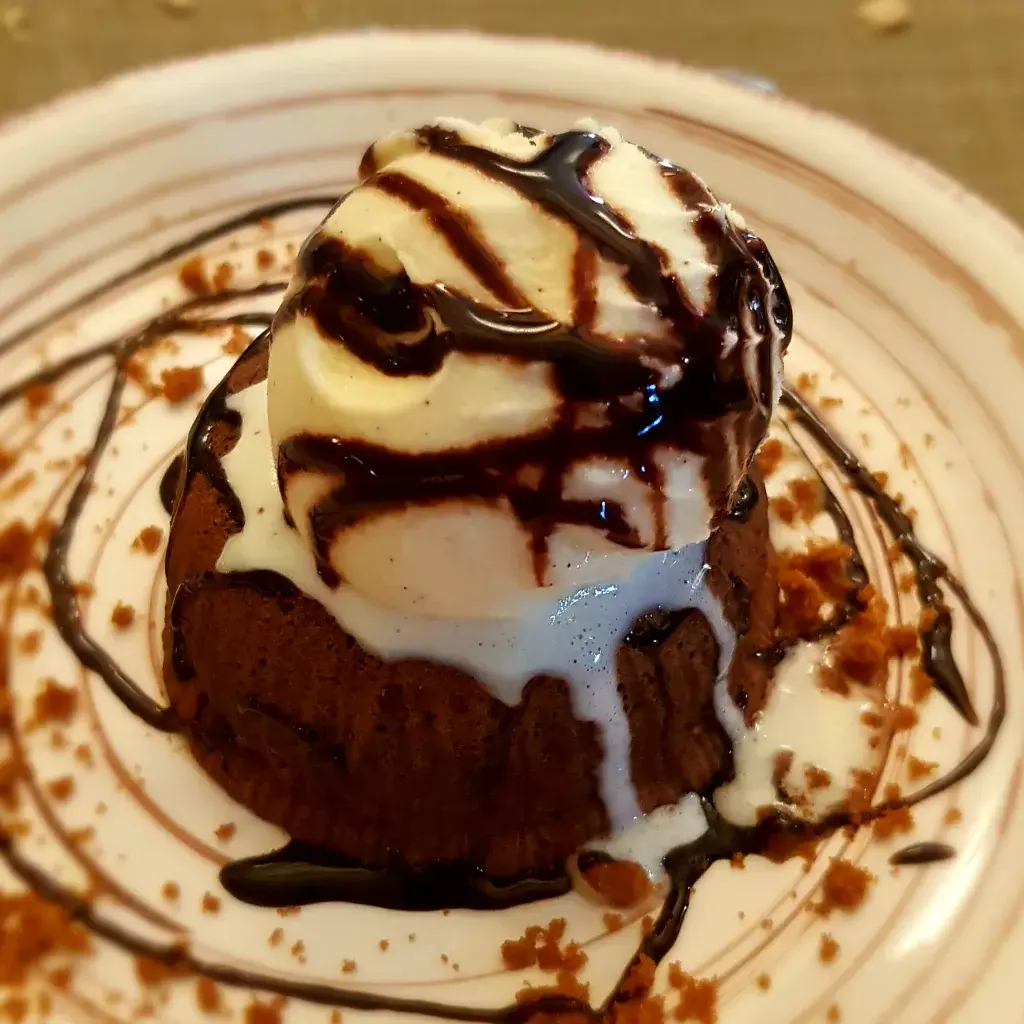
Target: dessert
{"type": "Point", "coordinates": [278, 545]}
{"type": "Point", "coordinates": [469, 563]}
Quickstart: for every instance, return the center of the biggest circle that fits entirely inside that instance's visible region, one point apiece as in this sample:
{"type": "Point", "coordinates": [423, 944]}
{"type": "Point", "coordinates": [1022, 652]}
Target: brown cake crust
{"type": "Point", "coordinates": [414, 761]}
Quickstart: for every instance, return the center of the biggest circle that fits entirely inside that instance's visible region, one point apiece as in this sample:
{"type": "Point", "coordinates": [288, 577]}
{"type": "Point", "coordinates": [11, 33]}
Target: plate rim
{"type": "Point", "coordinates": [139, 83]}
{"type": "Point", "coordinates": [973, 217]}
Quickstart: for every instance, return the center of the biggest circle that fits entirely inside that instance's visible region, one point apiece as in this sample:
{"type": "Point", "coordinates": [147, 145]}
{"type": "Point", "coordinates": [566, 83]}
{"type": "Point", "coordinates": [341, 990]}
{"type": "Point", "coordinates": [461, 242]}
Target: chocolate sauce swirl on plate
{"type": "Point", "coordinates": [923, 853]}
{"type": "Point", "coordinates": [297, 873]}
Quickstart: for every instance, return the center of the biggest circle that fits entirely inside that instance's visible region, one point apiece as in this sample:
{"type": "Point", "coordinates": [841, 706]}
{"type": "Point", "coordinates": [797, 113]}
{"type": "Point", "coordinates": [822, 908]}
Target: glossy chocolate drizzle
{"type": "Point", "coordinates": [923, 853]}
{"type": "Point", "coordinates": [301, 873]}
{"type": "Point", "coordinates": [297, 873]}
{"type": "Point", "coordinates": [687, 389]}
{"type": "Point", "coordinates": [63, 592]}
{"type": "Point", "coordinates": [929, 570]}
{"type": "Point", "coordinates": [170, 482]}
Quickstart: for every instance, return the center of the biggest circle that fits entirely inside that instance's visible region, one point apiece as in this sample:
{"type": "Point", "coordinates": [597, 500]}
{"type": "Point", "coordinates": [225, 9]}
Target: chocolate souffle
{"type": "Point", "coordinates": [470, 561]}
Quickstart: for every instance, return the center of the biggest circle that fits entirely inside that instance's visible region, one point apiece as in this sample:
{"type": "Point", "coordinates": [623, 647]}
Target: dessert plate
{"type": "Point", "coordinates": [909, 339]}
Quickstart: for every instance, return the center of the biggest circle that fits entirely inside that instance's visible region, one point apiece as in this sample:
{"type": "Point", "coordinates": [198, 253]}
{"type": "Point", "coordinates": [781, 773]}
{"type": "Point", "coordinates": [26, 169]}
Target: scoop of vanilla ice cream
{"type": "Point", "coordinates": [442, 225]}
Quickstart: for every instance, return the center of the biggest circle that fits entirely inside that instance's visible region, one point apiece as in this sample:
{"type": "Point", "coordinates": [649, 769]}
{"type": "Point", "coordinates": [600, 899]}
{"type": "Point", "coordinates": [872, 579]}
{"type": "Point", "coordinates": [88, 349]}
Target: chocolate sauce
{"type": "Point", "coordinates": [170, 482]}
{"type": "Point", "coordinates": [374, 479]}
{"type": "Point", "coordinates": [177, 251]}
{"type": "Point", "coordinates": [672, 391]}
{"type": "Point", "coordinates": [188, 316]}
{"type": "Point", "coordinates": [923, 853]}
{"type": "Point", "coordinates": [85, 913]}
{"type": "Point", "coordinates": [199, 457]}
{"type": "Point", "coordinates": [855, 571]}
{"type": "Point", "coordinates": [283, 877]}
{"type": "Point", "coordinates": [459, 232]}
{"type": "Point", "coordinates": [300, 874]}
{"type": "Point", "coordinates": [929, 570]}
{"type": "Point", "coordinates": [744, 500]}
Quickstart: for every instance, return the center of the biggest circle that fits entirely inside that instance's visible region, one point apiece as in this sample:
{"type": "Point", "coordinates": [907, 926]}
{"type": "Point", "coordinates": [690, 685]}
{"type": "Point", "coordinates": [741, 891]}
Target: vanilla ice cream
{"type": "Point", "coordinates": [512, 364]}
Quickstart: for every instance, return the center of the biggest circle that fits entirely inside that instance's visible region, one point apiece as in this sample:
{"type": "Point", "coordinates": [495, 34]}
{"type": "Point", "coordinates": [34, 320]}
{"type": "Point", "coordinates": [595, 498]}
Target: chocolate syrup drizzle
{"type": "Point", "coordinates": [63, 592]}
{"type": "Point", "coordinates": [685, 390]}
{"type": "Point", "coordinates": [297, 866]}
{"type": "Point", "coordinates": [170, 482]}
{"type": "Point", "coordinates": [923, 853]}
{"type": "Point", "coordinates": [929, 570]}
{"type": "Point", "coordinates": [301, 873]}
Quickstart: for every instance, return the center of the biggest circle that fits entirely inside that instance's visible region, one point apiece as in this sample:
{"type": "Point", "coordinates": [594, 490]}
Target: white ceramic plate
{"type": "Point", "coordinates": [909, 308]}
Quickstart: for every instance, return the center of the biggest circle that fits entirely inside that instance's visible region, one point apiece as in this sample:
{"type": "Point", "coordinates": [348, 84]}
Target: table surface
{"type": "Point", "coordinates": [950, 88]}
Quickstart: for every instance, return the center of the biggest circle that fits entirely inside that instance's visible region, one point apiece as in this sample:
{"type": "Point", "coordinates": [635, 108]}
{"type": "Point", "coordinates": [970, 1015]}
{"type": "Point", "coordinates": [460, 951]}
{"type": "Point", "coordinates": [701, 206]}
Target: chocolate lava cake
{"type": "Point", "coordinates": [378, 759]}
{"type": "Point", "coordinates": [634, 356]}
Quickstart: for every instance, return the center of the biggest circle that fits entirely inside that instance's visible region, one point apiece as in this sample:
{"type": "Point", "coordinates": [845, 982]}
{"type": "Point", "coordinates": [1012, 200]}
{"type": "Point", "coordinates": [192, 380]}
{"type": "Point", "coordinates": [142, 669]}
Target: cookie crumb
{"type": "Point", "coordinates": [622, 883]}
{"type": "Point", "coordinates": [918, 769]}
{"type": "Point", "coordinates": [171, 891]}
{"type": "Point", "coordinates": [153, 973]}
{"type": "Point", "coordinates": [384, 945]}
{"type": "Point", "coordinates": [32, 930]}
{"type": "Point", "coordinates": [298, 951]}
{"type": "Point", "coordinates": [844, 887]}
{"type": "Point", "coordinates": [276, 938]}
{"type": "Point", "coordinates": [764, 982]}
{"type": "Point", "coordinates": [55, 703]}
{"type": "Point", "coordinates": [828, 948]}
{"type": "Point", "coordinates": [698, 997]}
{"type": "Point", "coordinates": [148, 540]}
{"type": "Point", "coordinates": [542, 947]}
{"type": "Point", "coordinates": [192, 273]}
{"type": "Point", "coordinates": [208, 997]}
{"type": "Point", "coordinates": [288, 911]}
{"type": "Point", "coordinates": [612, 922]}
{"type": "Point", "coordinates": [833, 1014]}
{"type": "Point", "coordinates": [15, 550]}
{"type": "Point", "coordinates": [180, 383]}
{"type": "Point", "coordinates": [886, 16]}
{"type": "Point", "coordinates": [226, 831]}
{"type": "Point", "coordinates": [123, 616]}
{"type": "Point", "coordinates": [263, 1013]}
{"type": "Point", "coordinates": [222, 277]}
{"type": "Point", "coordinates": [211, 905]}
{"type": "Point", "coordinates": [61, 789]}
{"type": "Point", "coordinates": [898, 821]}
{"type": "Point", "coordinates": [953, 816]}
{"type": "Point", "coordinates": [30, 643]}
{"type": "Point", "coordinates": [79, 836]}
{"type": "Point", "coordinates": [238, 341]}
{"type": "Point", "coordinates": [770, 455]}
{"type": "Point", "coordinates": [37, 396]}
{"type": "Point", "coordinates": [15, 1009]}
{"type": "Point", "coordinates": [83, 755]}
{"type": "Point", "coordinates": [265, 259]}
{"type": "Point", "coordinates": [348, 967]}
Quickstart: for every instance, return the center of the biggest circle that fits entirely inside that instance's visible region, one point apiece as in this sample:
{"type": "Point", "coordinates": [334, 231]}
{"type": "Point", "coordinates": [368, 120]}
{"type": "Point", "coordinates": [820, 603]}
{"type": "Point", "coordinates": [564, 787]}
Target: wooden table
{"type": "Point", "coordinates": [950, 88]}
